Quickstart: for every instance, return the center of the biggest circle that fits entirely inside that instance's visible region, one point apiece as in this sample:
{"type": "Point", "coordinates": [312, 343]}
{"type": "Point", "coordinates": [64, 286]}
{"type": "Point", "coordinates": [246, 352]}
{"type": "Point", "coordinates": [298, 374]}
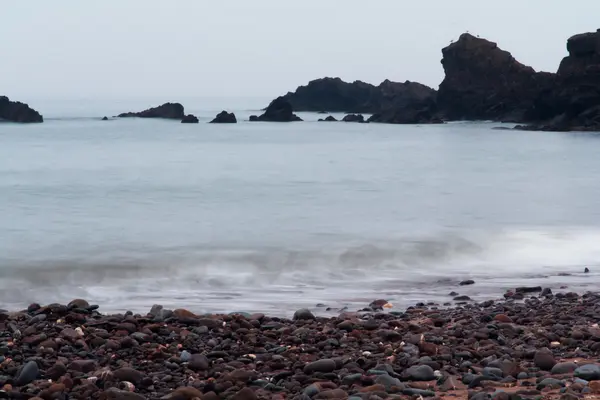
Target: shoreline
{"type": "Point", "coordinates": [534, 348]}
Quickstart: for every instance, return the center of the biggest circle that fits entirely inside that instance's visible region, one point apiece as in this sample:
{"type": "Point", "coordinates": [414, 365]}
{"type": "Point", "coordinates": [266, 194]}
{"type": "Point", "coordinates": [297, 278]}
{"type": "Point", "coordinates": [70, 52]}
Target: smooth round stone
{"type": "Point", "coordinates": [390, 383]}
{"type": "Point", "coordinates": [350, 379]}
{"type": "Point", "coordinates": [563, 368]}
{"type": "Point", "coordinates": [384, 367]}
{"type": "Point", "coordinates": [468, 378]}
{"type": "Point", "coordinates": [312, 390]}
{"type": "Point", "coordinates": [489, 371]}
{"type": "Point", "coordinates": [544, 360]}
{"type": "Point", "coordinates": [199, 362]}
{"type": "Point", "coordinates": [376, 372]}
{"type": "Point", "coordinates": [185, 356]}
{"type": "Point", "coordinates": [589, 372]}
{"type": "Point", "coordinates": [550, 382]}
{"type": "Point", "coordinates": [420, 373]}
{"type": "Point", "coordinates": [324, 366]}
{"type": "Point", "coordinates": [303, 314]}
{"type": "Point", "coordinates": [27, 374]}
{"type": "Point", "coordinates": [523, 375]}
{"type": "Point", "coordinates": [78, 303]}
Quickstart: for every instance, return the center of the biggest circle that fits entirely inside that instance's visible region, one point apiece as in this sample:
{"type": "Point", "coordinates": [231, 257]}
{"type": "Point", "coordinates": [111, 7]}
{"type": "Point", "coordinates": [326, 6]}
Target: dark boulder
{"type": "Point", "coordinates": [167, 111]}
{"type": "Point", "coordinates": [572, 103]}
{"type": "Point", "coordinates": [353, 118]}
{"type": "Point", "coordinates": [189, 119]}
{"type": "Point", "coordinates": [484, 82]}
{"type": "Point", "coordinates": [329, 118]}
{"type": "Point", "coordinates": [15, 111]}
{"type": "Point", "coordinates": [280, 110]}
{"type": "Point", "coordinates": [105, 118]}
{"type": "Point", "coordinates": [224, 118]}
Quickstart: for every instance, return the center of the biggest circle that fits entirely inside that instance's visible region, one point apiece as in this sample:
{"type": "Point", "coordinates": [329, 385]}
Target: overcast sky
{"type": "Point", "coordinates": [229, 48]}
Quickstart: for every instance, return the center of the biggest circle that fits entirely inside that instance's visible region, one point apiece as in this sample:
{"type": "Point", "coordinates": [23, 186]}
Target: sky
{"type": "Point", "coordinates": [240, 48]}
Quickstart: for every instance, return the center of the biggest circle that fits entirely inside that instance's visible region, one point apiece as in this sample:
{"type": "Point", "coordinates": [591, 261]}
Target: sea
{"type": "Point", "coordinates": [273, 217]}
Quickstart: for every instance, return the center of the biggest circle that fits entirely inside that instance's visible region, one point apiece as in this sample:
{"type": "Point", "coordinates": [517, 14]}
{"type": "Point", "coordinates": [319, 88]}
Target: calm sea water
{"type": "Point", "coordinates": [271, 217]}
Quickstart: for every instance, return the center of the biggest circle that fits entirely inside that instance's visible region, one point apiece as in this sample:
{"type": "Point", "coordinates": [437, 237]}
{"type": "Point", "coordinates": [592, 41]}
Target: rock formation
{"type": "Point", "coordinates": [407, 103]}
{"type": "Point", "coordinates": [224, 118]}
{"type": "Point", "coordinates": [335, 95]}
{"type": "Point", "coordinates": [105, 118]}
{"type": "Point", "coordinates": [573, 101]}
{"type": "Point", "coordinates": [189, 119]}
{"type": "Point", "coordinates": [280, 110]}
{"type": "Point", "coordinates": [353, 118]}
{"type": "Point", "coordinates": [167, 111]}
{"type": "Point", "coordinates": [15, 111]}
{"type": "Point", "coordinates": [484, 82]}
{"type": "Point", "coordinates": [329, 118]}
{"type": "Point", "coordinates": [332, 94]}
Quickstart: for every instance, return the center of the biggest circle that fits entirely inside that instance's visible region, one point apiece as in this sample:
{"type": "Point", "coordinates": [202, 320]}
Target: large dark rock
{"type": "Point", "coordinates": [167, 111]}
{"type": "Point", "coordinates": [16, 111]}
{"type": "Point", "coordinates": [573, 101]}
{"type": "Point", "coordinates": [224, 118]}
{"type": "Point", "coordinates": [484, 82]}
{"type": "Point", "coordinates": [417, 112]}
{"type": "Point", "coordinates": [335, 95]}
{"type": "Point", "coordinates": [189, 119]}
{"type": "Point", "coordinates": [280, 110]}
{"type": "Point", "coordinates": [353, 118]}
{"type": "Point", "coordinates": [332, 94]}
{"type": "Point", "coordinates": [329, 118]}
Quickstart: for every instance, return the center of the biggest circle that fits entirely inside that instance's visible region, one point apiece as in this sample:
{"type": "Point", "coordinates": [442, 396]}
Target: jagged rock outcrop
{"type": "Point", "coordinates": [166, 111]}
{"type": "Point", "coordinates": [354, 118]}
{"type": "Point", "coordinates": [573, 101]}
{"type": "Point", "coordinates": [189, 119]}
{"type": "Point", "coordinates": [280, 110]}
{"type": "Point", "coordinates": [15, 111]}
{"type": "Point", "coordinates": [224, 118]}
{"type": "Point", "coordinates": [335, 95]}
{"type": "Point", "coordinates": [484, 82]}
{"type": "Point", "coordinates": [417, 105]}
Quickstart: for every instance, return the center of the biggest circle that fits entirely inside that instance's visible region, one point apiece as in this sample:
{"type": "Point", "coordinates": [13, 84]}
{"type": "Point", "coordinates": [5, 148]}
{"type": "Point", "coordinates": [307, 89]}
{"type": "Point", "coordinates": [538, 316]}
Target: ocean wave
{"type": "Point", "coordinates": [220, 279]}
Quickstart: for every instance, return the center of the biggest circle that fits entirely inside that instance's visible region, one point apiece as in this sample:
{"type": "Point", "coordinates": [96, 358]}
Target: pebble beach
{"type": "Point", "coordinates": [541, 347]}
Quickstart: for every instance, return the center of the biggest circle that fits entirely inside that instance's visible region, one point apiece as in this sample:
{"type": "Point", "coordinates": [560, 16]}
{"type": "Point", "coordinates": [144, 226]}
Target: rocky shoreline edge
{"type": "Point", "coordinates": [543, 347]}
{"type": "Point", "coordinates": [482, 82]}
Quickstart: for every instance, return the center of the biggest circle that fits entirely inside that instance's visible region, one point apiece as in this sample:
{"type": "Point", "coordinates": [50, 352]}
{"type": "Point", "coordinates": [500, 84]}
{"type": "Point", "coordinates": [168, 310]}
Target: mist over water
{"type": "Point", "coordinates": [271, 217]}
